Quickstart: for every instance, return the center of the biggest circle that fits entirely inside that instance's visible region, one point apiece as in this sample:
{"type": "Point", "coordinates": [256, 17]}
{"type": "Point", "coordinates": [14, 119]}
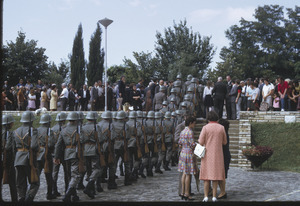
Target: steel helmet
{"type": "Point", "coordinates": [189, 77]}
{"type": "Point", "coordinates": [151, 114]}
{"type": "Point", "coordinates": [45, 118]}
{"type": "Point", "coordinates": [139, 114]}
{"type": "Point", "coordinates": [27, 116]}
{"type": "Point", "coordinates": [177, 84]}
{"type": "Point", "coordinates": [187, 98]}
{"type": "Point", "coordinates": [190, 89]}
{"type": "Point", "coordinates": [80, 115]}
{"type": "Point", "coordinates": [144, 114]}
{"type": "Point", "coordinates": [183, 104]}
{"type": "Point", "coordinates": [168, 115]}
{"type": "Point", "coordinates": [72, 116]}
{"type": "Point", "coordinates": [178, 112]}
{"type": "Point", "coordinates": [114, 114]}
{"type": "Point", "coordinates": [61, 116]}
{"type": "Point", "coordinates": [121, 115]}
{"type": "Point", "coordinates": [194, 80]}
{"type": "Point", "coordinates": [7, 119]}
{"type": "Point", "coordinates": [162, 89]}
{"type": "Point", "coordinates": [106, 115]}
{"type": "Point", "coordinates": [165, 103]}
{"type": "Point", "coordinates": [173, 99]}
{"type": "Point", "coordinates": [178, 76]}
{"type": "Point", "coordinates": [158, 115]}
{"type": "Point", "coordinates": [132, 114]}
{"type": "Point", "coordinates": [92, 115]}
{"type": "Point", "coordinates": [173, 114]}
{"type": "Point", "coordinates": [173, 90]}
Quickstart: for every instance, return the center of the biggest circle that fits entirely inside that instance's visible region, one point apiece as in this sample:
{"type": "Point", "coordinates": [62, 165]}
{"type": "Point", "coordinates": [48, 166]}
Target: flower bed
{"type": "Point", "coordinates": [257, 154]}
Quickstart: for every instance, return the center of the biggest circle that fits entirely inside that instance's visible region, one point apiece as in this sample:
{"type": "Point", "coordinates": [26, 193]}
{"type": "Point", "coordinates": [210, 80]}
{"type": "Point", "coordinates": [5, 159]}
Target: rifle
{"type": "Point", "coordinates": [126, 158]}
{"type": "Point", "coordinates": [80, 155]}
{"type": "Point", "coordinates": [155, 137]}
{"type": "Point", "coordinates": [110, 152]}
{"type": "Point", "coordinates": [33, 170]}
{"type": "Point", "coordinates": [102, 159]}
{"type": "Point", "coordinates": [174, 143]}
{"type": "Point", "coordinates": [5, 166]}
{"type": "Point", "coordinates": [46, 165]}
{"type": "Point", "coordinates": [145, 137]}
{"type": "Point", "coordinates": [163, 145]}
{"type": "Point", "coordinates": [139, 152]}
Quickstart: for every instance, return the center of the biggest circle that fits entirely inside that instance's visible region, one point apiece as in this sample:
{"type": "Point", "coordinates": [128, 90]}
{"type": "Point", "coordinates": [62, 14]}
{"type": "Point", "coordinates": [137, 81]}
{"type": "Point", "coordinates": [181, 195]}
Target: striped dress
{"type": "Point", "coordinates": [186, 163]}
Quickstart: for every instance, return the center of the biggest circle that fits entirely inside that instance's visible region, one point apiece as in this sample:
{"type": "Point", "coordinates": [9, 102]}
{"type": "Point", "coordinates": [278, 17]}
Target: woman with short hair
{"type": "Point", "coordinates": [213, 137]}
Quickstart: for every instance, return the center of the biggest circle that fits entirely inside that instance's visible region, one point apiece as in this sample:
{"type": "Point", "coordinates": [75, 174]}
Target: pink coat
{"type": "Point", "coordinates": [213, 137]}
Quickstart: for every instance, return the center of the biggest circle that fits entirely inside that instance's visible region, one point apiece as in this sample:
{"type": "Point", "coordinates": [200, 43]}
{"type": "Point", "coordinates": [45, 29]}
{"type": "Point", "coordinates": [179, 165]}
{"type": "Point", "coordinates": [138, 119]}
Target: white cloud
{"type": "Point", "coordinates": [135, 3]}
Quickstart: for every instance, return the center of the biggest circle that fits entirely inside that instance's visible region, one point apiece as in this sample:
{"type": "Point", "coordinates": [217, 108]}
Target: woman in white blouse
{"type": "Point", "coordinates": [207, 97]}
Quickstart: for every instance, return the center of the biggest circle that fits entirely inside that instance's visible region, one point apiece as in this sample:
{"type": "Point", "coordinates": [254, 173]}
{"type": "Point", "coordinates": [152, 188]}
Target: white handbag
{"type": "Point", "coordinates": [199, 150]}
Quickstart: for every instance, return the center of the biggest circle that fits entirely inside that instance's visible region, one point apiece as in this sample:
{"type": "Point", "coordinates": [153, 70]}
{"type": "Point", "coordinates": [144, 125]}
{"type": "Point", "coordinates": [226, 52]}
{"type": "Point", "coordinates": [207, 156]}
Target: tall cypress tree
{"type": "Point", "coordinates": [96, 58]}
{"type": "Point", "coordinates": [77, 60]}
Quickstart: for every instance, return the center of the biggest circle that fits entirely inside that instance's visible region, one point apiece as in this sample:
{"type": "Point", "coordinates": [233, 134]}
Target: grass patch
{"type": "Point", "coordinates": [284, 140]}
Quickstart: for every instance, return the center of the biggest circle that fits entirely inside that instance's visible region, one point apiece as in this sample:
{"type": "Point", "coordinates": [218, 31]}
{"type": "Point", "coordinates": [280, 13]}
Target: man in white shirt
{"type": "Point", "coordinates": [64, 97]}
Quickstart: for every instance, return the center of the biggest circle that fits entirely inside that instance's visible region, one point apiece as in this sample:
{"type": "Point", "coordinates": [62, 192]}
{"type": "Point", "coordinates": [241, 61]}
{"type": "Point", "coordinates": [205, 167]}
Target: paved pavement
{"type": "Point", "coordinates": [242, 185]}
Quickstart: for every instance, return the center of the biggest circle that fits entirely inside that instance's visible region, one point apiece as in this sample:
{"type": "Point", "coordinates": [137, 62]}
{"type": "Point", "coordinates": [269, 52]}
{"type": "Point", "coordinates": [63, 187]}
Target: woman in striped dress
{"type": "Point", "coordinates": [186, 163]}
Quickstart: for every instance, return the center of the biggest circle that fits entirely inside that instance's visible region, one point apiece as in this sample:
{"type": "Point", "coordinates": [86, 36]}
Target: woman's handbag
{"type": "Point", "coordinates": [199, 150]}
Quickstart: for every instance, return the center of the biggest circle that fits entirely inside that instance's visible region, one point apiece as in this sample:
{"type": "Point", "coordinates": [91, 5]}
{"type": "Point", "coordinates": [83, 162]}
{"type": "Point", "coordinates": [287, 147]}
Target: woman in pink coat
{"type": "Point", "coordinates": [213, 137]}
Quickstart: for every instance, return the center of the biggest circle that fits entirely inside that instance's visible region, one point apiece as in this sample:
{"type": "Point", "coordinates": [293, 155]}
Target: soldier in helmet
{"type": "Point", "coordinates": [46, 144]}
{"type": "Point", "coordinates": [9, 174]}
{"type": "Point", "coordinates": [142, 140]}
{"type": "Point", "coordinates": [160, 142]}
{"type": "Point", "coordinates": [114, 116]}
{"type": "Point", "coordinates": [168, 130]}
{"type": "Point", "coordinates": [87, 165]}
{"type": "Point", "coordinates": [134, 147]}
{"type": "Point", "coordinates": [89, 140]}
{"type": "Point", "coordinates": [188, 82]}
{"type": "Point", "coordinates": [174, 95]}
{"type": "Point", "coordinates": [178, 88]}
{"type": "Point", "coordinates": [174, 143]}
{"type": "Point", "coordinates": [68, 142]}
{"type": "Point", "coordinates": [159, 98]}
{"type": "Point", "coordinates": [25, 141]}
{"type": "Point", "coordinates": [107, 146]}
{"type": "Point", "coordinates": [165, 107]}
{"type": "Point", "coordinates": [120, 134]}
{"type": "Point", "coordinates": [149, 159]}
{"type": "Point", "coordinates": [60, 119]}
{"type": "Point", "coordinates": [190, 107]}
{"type": "Point", "coordinates": [172, 107]}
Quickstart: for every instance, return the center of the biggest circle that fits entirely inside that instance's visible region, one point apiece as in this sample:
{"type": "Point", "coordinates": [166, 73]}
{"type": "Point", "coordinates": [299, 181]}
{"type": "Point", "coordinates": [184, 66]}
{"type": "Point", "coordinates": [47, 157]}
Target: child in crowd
{"type": "Point", "coordinates": [276, 106]}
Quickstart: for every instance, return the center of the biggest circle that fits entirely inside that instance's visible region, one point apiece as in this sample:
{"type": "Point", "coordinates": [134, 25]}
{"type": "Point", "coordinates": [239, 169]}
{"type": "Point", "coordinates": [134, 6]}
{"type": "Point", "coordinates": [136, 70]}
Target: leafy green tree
{"type": "Point", "coordinates": [268, 46]}
{"type": "Point", "coordinates": [57, 75]}
{"type": "Point", "coordinates": [180, 50]}
{"type": "Point", "coordinates": [23, 60]}
{"type": "Point", "coordinates": [77, 60]}
{"type": "Point", "coordinates": [96, 58]}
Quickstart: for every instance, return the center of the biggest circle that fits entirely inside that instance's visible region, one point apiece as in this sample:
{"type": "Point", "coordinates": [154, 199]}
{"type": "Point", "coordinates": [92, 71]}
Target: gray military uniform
{"type": "Point", "coordinates": [169, 135]}
{"type": "Point", "coordinates": [136, 132]}
{"type": "Point", "coordinates": [158, 100]}
{"type": "Point", "coordinates": [152, 157]}
{"type": "Point", "coordinates": [22, 146]}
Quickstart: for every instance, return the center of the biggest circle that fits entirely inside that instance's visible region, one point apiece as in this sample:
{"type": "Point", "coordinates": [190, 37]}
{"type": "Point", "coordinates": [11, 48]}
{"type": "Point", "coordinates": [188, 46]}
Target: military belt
{"type": "Point", "coordinates": [90, 143]}
{"type": "Point", "coordinates": [22, 150]}
{"type": "Point", "coordinates": [119, 139]}
{"type": "Point", "coordinates": [70, 146]}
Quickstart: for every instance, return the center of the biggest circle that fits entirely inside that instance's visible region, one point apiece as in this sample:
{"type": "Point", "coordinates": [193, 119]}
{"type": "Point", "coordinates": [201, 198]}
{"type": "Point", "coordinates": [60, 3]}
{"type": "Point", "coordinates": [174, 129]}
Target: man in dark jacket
{"type": "Point", "coordinates": [84, 97]}
{"type": "Point", "coordinates": [121, 85]}
{"type": "Point", "coordinates": [219, 93]}
{"type": "Point", "coordinates": [71, 99]}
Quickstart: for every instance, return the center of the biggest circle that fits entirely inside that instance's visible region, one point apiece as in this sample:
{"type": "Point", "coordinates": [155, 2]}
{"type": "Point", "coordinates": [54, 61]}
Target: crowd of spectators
{"type": "Point", "coordinates": [233, 95]}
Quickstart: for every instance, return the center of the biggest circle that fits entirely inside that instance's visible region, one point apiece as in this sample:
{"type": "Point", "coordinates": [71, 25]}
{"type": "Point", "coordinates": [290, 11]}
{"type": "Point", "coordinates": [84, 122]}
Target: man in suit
{"type": "Point", "coordinates": [228, 98]}
{"type": "Point", "coordinates": [94, 96]}
{"type": "Point", "coordinates": [219, 93]}
{"type": "Point", "coordinates": [71, 99]}
{"type": "Point", "coordinates": [233, 94]}
{"type": "Point", "coordinates": [84, 97]}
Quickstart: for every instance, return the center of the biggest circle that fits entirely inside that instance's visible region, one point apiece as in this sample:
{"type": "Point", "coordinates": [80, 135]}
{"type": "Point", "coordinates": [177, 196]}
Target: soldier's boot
{"type": "Point", "coordinates": [29, 198]}
{"type": "Point", "coordinates": [149, 172]}
{"type": "Point", "coordinates": [111, 184]}
{"type": "Point", "coordinates": [75, 197]}
{"type": "Point", "coordinates": [88, 190]}
{"type": "Point", "coordinates": [80, 185]}
{"type": "Point", "coordinates": [22, 199]}
{"type": "Point", "coordinates": [127, 180]}
{"type": "Point", "coordinates": [71, 191]}
{"type": "Point", "coordinates": [94, 189]}
{"type": "Point", "coordinates": [121, 170]}
{"type": "Point", "coordinates": [166, 166]}
{"type": "Point", "coordinates": [157, 169]}
{"type": "Point", "coordinates": [133, 175]}
{"type": "Point", "coordinates": [99, 188]}
{"type": "Point", "coordinates": [55, 192]}
{"type": "Point", "coordinates": [141, 171]}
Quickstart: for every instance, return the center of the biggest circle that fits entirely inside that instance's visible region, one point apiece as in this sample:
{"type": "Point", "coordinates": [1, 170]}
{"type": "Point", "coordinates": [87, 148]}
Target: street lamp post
{"type": "Point", "coordinates": [105, 22]}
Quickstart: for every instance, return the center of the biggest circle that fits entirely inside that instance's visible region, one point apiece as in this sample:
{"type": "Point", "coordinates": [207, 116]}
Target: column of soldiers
{"type": "Point", "coordinates": [142, 142]}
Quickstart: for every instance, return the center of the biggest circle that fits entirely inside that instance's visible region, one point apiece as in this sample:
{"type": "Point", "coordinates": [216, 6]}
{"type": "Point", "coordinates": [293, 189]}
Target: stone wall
{"type": "Point", "coordinates": [245, 127]}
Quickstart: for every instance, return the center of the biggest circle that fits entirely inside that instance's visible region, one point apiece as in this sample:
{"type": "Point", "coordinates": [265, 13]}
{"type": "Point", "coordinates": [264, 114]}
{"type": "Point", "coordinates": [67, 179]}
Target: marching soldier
{"type": "Point", "coordinates": [159, 98]}
{"type": "Point", "coordinates": [172, 107]}
{"type": "Point", "coordinates": [158, 132]}
{"type": "Point", "coordinates": [26, 146]}
{"type": "Point", "coordinates": [87, 165]}
{"type": "Point", "coordinates": [46, 144]}
{"type": "Point", "coordinates": [89, 140]}
{"type": "Point", "coordinates": [9, 174]}
{"type": "Point", "coordinates": [190, 107]}
{"type": "Point", "coordinates": [175, 145]}
{"type": "Point", "coordinates": [165, 107]}
{"type": "Point", "coordinates": [121, 135]}
{"type": "Point", "coordinates": [143, 141]}
{"type": "Point", "coordinates": [168, 130]}
{"type": "Point", "coordinates": [188, 82]}
{"type": "Point", "coordinates": [134, 146]}
{"type": "Point", "coordinates": [178, 89]}
{"type": "Point", "coordinates": [174, 95]}
{"type": "Point", "coordinates": [107, 146]}
{"type": "Point", "coordinates": [69, 143]}
{"type": "Point", "coordinates": [60, 119]}
{"type": "Point", "coordinates": [149, 132]}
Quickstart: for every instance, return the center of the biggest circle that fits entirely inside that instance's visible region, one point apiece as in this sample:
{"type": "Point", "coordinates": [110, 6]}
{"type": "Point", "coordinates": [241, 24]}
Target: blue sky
{"type": "Point", "coordinates": [54, 23]}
